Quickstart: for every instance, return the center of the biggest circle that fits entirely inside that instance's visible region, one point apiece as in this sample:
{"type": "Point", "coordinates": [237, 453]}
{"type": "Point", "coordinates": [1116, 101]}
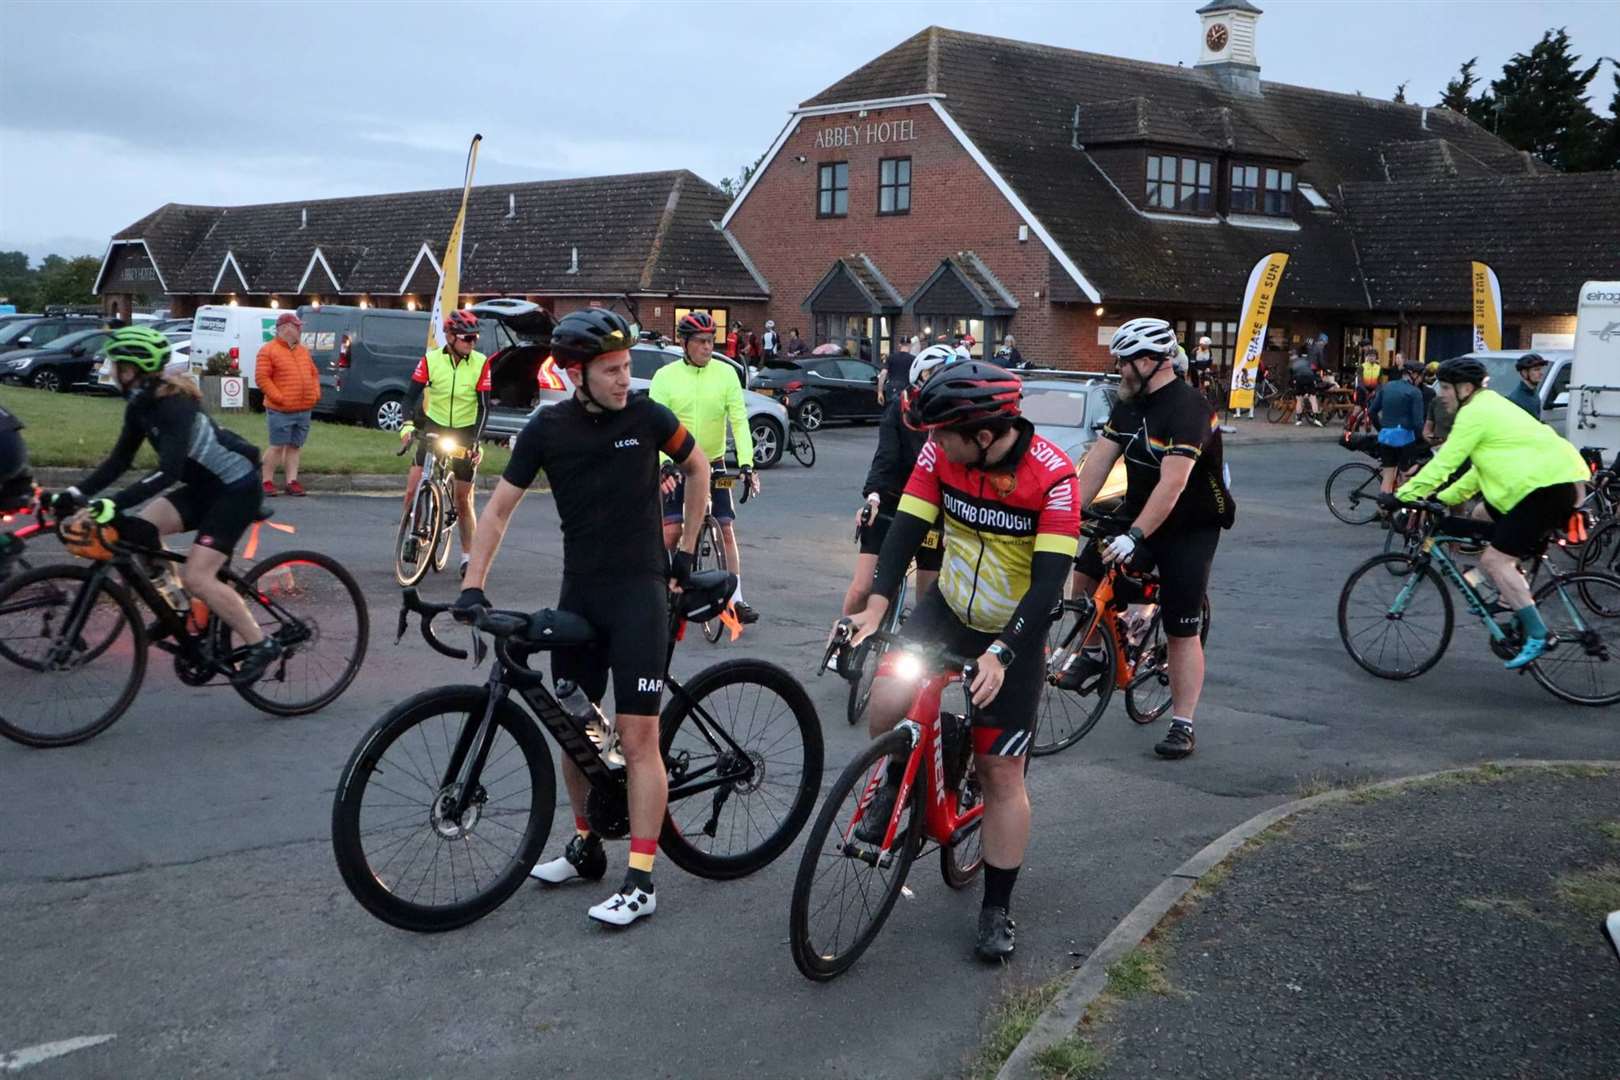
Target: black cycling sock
{"type": "Point", "coordinates": [637, 879]}
{"type": "Point", "coordinates": [998, 886]}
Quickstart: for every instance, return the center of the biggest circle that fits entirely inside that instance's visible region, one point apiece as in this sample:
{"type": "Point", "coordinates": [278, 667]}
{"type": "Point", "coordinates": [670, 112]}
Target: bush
{"type": "Point", "coordinates": [221, 364]}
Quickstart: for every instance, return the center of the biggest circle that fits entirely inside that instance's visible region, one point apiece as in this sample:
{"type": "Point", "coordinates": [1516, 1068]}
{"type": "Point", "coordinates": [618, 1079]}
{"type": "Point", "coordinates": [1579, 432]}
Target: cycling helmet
{"type": "Point", "coordinates": [1143, 337]}
{"type": "Point", "coordinates": [1462, 369]}
{"type": "Point", "coordinates": [929, 359]}
{"type": "Point", "coordinates": [1530, 360]}
{"type": "Point", "coordinates": [582, 336]}
{"type": "Point", "coordinates": [1414, 367]}
{"type": "Point", "coordinates": [460, 321]}
{"type": "Point", "coordinates": [1205, 341]}
{"type": "Point", "coordinates": [141, 346]}
{"type": "Point", "coordinates": [695, 322]}
{"type": "Point", "coordinates": [965, 393]}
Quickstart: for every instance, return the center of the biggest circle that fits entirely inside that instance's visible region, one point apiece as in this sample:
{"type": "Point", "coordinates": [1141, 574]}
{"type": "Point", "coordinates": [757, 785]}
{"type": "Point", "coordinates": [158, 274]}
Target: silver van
{"type": "Point", "coordinates": [1554, 389]}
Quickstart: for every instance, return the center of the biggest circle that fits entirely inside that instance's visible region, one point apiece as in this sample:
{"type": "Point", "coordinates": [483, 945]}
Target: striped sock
{"type": "Point", "coordinates": [581, 825]}
{"type": "Point", "coordinates": [641, 863]}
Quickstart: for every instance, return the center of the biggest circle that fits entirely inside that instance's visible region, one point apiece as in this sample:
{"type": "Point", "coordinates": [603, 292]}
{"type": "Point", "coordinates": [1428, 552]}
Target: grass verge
{"type": "Point", "coordinates": [1072, 1059]}
{"type": "Point", "coordinates": [1010, 1020]}
{"type": "Point", "coordinates": [1594, 893]}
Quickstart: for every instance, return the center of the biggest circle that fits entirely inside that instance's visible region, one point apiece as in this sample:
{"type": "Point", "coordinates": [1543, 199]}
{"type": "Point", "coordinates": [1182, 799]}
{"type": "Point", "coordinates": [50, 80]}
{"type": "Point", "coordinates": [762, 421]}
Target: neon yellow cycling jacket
{"type": "Point", "coordinates": [1509, 452]}
{"type": "Point", "coordinates": [704, 399]}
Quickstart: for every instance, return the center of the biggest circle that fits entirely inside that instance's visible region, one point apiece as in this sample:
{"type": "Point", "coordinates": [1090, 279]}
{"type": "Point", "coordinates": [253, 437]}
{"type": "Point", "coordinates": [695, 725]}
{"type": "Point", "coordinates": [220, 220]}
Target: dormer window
{"type": "Point", "coordinates": [1259, 189]}
{"type": "Point", "coordinates": [1180, 183]}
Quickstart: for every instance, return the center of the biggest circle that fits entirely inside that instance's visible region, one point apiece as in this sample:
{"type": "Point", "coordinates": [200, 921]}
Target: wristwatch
{"type": "Point", "coordinates": [1002, 653]}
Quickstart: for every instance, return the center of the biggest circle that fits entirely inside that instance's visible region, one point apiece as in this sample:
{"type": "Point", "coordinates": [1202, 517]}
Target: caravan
{"type": "Point", "coordinates": [1594, 387]}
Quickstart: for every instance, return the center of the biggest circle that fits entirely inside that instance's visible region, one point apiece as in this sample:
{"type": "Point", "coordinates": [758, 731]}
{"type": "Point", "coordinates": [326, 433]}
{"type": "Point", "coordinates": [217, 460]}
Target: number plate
{"type": "Point", "coordinates": [932, 539]}
{"type": "Point", "coordinates": [725, 483]}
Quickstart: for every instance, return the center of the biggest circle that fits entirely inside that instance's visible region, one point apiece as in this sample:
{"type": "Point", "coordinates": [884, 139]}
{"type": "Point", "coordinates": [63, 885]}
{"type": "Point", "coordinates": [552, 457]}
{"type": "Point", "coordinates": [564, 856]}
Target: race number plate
{"type": "Point", "coordinates": [932, 539]}
{"type": "Point", "coordinates": [725, 483]}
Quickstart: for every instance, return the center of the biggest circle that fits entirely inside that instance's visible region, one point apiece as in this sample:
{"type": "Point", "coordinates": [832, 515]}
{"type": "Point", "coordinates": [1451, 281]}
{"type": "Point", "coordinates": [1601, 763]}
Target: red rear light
{"type": "Point", "coordinates": [793, 386]}
{"type": "Point", "coordinates": [343, 353]}
{"type": "Point", "coordinates": [548, 376]}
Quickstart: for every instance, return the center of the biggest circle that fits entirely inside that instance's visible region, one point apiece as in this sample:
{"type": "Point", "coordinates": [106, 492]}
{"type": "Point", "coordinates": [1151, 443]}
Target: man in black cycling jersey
{"type": "Point", "coordinates": [16, 482]}
{"type": "Point", "coordinates": [1177, 501]}
{"type": "Point", "coordinates": [600, 450]}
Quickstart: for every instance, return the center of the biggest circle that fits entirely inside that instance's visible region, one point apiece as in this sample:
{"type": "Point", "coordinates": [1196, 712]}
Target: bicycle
{"type": "Point", "coordinates": [77, 643]}
{"type": "Point", "coordinates": [801, 445]}
{"type": "Point", "coordinates": [861, 667]}
{"type": "Point", "coordinates": [425, 531]}
{"type": "Point", "coordinates": [939, 801]}
{"type": "Point", "coordinates": [1352, 490]}
{"type": "Point", "coordinates": [1135, 648]}
{"type": "Point", "coordinates": [711, 550]}
{"type": "Point", "coordinates": [486, 818]}
{"type": "Point", "coordinates": [1280, 406]}
{"type": "Point", "coordinates": [1403, 636]}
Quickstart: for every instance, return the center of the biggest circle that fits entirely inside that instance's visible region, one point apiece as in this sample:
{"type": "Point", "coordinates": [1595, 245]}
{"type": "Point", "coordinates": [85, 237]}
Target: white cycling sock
{"type": "Point", "coordinates": [1181, 720]}
{"type": "Point", "coordinates": [736, 597]}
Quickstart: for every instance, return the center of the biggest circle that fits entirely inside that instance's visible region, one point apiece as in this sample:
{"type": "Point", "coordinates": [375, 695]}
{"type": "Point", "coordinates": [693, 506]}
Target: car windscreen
{"type": "Point", "coordinates": [1055, 407]}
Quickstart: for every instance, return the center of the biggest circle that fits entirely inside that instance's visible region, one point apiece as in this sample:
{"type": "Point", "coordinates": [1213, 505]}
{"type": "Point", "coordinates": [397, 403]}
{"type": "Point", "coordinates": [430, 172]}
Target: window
{"type": "Point", "coordinates": [987, 334]}
{"type": "Point", "coordinates": [894, 186]}
{"type": "Point", "coordinates": [862, 335]}
{"type": "Point", "coordinates": [832, 190]}
{"type": "Point", "coordinates": [720, 316]}
{"type": "Point", "coordinates": [1312, 196]}
{"type": "Point", "coordinates": [1222, 340]}
{"type": "Point", "coordinates": [857, 371]}
{"type": "Point", "coordinates": [1279, 191]}
{"type": "Point", "coordinates": [1180, 183]}
{"type": "Point", "coordinates": [1259, 190]}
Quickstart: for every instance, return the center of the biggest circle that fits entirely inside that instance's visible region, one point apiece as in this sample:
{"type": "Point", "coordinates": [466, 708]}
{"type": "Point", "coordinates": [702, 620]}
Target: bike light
{"type": "Point", "coordinates": [908, 666]}
{"type": "Point", "coordinates": [448, 445]}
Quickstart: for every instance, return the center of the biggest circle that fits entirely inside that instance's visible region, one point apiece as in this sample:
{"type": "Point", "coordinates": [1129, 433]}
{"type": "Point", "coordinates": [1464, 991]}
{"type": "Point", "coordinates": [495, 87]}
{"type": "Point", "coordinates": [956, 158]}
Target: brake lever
{"type": "Point", "coordinates": [404, 622]}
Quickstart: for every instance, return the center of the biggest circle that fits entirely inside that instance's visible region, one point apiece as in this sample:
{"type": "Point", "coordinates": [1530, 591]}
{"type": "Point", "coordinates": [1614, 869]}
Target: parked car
{"type": "Point", "coordinates": [1069, 412]}
{"type": "Point", "coordinates": [816, 389]}
{"type": "Point", "coordinates": [1554, 389]}
{"type": "Point", "coordinates": [67, 362]}
{"type": "Point", "coordinates": [10, 317]}
{"type": "Point", "coordinates": [33, 333]}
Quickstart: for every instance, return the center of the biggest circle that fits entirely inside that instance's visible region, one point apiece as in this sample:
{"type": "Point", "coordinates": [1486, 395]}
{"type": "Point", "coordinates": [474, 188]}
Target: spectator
{"type": "Point", "coordinates": [286, 375]}
{"type": "Point", "coordinates": [796, 345]}
{"type": "Point", "coordinates": [1201, 362]}
{"type": "Point", "coordinates": [732, 340]}
{"type": "Point", "coordinates": [753, 348]}
{"type": "Point", "coordinates": [1527, 395]}
{"type": "Point", "coordinates": [770, 347]}
{"type": "Point", "coordinates": [1008, 355]}
{"type": "Point", "coordinates": [896, 371]}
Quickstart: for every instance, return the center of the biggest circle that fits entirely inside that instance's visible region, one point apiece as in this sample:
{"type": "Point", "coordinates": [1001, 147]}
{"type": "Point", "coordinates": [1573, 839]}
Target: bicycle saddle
{"type": "Point", "coordinates": [551, 627]}
{"type": "Point", "coordinates": [706, 594]}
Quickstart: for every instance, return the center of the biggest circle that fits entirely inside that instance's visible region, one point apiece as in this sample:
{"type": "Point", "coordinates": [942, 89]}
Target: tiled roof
{"type": "Point", "coordinates": [1430, 159]}
{"type": "Point", "coordinates": [640, 232]}
{"type": "Point", "coordinates": [853, 283]}
{"type": "Point", "coordinates": [1417, 238]}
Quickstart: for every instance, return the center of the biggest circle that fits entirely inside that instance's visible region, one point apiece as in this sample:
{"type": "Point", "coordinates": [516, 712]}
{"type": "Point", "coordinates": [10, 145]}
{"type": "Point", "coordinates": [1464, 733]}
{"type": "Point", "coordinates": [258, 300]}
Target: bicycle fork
{"type": "Point", "coordinates": [884, 855]}
{"type": "Point", "coordinates": [459, 788]}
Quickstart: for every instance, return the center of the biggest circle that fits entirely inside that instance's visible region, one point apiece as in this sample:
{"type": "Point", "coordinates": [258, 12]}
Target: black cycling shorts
{"type": "Point", "coordinates": [1400, 457]}
{"type": "Point", "coordinates": [16, 483]}
{"type": "Point", "coordinates": [219, 515]}
{"type": "Point", "coordinates": [930, 557]}
{"type": "Point", "coordinates": [461, 468]}
{"type": "Point", "coordinates": [631, 619]}
{"type": "Point", "coordinates": [1520, 531]}
{"type": "Point", "coordinates": [1182, 562]}
{"type": "Point", "coordinates": [1306, 386]}
{"type": "Point", "coordinates": [720, 504]}
{"type": "Point", "coordinates": [1004, 727]}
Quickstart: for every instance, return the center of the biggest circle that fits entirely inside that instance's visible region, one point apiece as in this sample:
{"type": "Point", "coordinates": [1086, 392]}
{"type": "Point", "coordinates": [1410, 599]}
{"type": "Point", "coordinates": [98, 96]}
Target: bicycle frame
{"type": "Point", "coordinates": [1432, 551]}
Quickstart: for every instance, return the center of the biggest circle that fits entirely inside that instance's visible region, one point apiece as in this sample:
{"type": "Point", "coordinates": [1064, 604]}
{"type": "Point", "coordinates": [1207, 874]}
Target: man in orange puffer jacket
{"type": "Point", "coordinates": [286, 375]}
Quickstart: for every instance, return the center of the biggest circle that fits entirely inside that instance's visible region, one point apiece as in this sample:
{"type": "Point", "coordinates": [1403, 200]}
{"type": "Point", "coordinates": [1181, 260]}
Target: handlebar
{"type": "Point", "coordinates": [497, 624]}
{"type": "Point", "coordinates": [933, 655]}
{"type": "Point", "coordinates": [423, 435]}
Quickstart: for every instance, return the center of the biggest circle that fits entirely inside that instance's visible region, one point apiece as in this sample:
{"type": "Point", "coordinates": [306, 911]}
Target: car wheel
{"type": "Point", "coordinates": [811, 415]}
{"type": "Point", "coordinates": [389, 413]}
{"type": "Point", "coordinates": [767, 435]}
{"type": "Point", "coordinates": [47, 380]}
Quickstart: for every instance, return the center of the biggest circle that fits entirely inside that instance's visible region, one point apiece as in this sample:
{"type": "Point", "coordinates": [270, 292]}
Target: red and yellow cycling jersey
{"type": "Point", "coordinates": [995, 522]}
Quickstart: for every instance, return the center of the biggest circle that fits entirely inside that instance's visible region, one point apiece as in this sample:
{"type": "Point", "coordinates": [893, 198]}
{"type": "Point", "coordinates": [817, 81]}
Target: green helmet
{"type": "Point", "coordinates": [147, 349]}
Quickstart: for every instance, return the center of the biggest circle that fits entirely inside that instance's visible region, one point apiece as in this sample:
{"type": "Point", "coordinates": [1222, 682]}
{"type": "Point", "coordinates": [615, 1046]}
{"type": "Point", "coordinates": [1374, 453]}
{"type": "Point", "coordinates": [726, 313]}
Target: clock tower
{"type": "Point", "coordinates": [1227, 48]}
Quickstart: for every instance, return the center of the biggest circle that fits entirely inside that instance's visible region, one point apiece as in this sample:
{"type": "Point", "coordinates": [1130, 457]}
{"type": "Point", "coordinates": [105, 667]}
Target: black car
{"type": "Point", "coordinates": [816, 389]}
{"type": "Point", "coordinates": [40, 331]}
{"type": "Point", "coordinates": [69, 361]}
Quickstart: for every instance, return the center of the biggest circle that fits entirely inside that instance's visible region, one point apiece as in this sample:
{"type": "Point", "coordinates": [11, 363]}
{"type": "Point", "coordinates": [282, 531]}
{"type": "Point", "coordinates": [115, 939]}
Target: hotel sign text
{"type": "Point", "coordinates": [879, 131]}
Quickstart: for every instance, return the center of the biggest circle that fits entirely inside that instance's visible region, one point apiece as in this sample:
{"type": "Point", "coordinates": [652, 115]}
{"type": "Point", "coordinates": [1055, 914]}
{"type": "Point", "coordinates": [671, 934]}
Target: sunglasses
{"type": "Point", "coordinates": [466, 337]}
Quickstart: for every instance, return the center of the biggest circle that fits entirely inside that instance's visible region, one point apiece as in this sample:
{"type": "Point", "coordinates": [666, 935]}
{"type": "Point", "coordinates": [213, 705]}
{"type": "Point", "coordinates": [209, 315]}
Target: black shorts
{"type": "Point", "coordinates": [720, 504]}
{"type": "Point", "coordinates": [1004, 727]}
{"type": "Point", "coordinates": [1400, 457]}
{"type": "Point", "coordinates": [930, 557]}
{"type": "Point", "coordinates": [1520, 531]}
{"type": "Point", "coordinates": [461, 468]}
{"type": "Point", "coordinates": [1306, 386]}
{"type": "Point", "coordinates": [631, 619]}
{"type": "Point", "coordinates": [1182, 561]}
{"type": "Point", "coordinates": [219, 515]}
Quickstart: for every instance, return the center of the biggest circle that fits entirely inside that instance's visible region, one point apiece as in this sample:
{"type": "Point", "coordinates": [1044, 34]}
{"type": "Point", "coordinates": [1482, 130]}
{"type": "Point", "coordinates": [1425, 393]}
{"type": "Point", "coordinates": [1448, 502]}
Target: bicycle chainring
{"type": "Point", "coordinates": [193, 670]}
{"type": "Point", "coordinates": [608, 809]}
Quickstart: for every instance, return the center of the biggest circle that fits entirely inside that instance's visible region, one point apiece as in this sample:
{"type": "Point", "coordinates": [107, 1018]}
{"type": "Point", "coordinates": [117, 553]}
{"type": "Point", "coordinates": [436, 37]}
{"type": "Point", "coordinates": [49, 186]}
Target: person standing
{"type": "Point", "coordinates": [1532, 369]}
{"type": "Point", "coordinates": [285, 373]}
{"type": "Point", "coordinates": [770, 346]}
{"type": "Point", "coordinates": [796, 345]}
{"type": "Point", "coordinates": [734, 340]}
{"type": "Point", "coordinates": [896, 371]}
{"type": "Point", "coordinates": [1203, 360]}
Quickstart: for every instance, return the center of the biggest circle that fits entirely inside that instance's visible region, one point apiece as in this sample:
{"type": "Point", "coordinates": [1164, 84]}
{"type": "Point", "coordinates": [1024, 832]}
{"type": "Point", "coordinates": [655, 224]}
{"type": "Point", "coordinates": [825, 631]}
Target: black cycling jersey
{"type": "Point", "coordinates": [603, 469]}
{"type": "Point", "coordinates": [191, 449]}
{"type": "Point", "coordinates": [9, 421]}
{"type": "Point", "coordinates": [1175, 420]}
{"type": "Point", "coordinates": [897, 449]}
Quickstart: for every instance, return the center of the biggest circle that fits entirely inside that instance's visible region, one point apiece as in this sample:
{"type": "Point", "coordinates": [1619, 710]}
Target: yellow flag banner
{"type": "Point", "coordinates": [1487, 308]}
{"type": "Point", "coordinates": [1251, 339]}
{"type": "Point", "coordinates": [449, 295]}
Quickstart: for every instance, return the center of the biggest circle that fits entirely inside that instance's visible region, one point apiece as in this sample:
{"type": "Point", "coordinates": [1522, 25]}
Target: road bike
{"type": "Point", "coordinates": [1396, 615]}
{"type": "Point", "coordinates": [74, 643]}
{"type": "Point", "coordinates": [447, 801]}
{"type": "Point", "coordinates": [1280, 406]}
{"type": "Point", "coordinates": [425, 530]}
{"type": "Point", "coordinates": [801, 445]}
{"type": "Point", "coordinates": [846, 887]}
{"type": "Point", "coordinates": [860, 664]}
{"type": "Point", "coordinates": [1122, 620]}
{"type": "Point", "coordinates": [711, 549]}
{"type": "Point", "coordinates": [1352, 490]}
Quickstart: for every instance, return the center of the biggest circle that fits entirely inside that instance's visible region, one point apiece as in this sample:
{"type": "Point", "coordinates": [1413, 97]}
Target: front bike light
{"type": "Point", "coordinates": [908, 666]}
{"type": "Point", "coordinates": [448, 445]}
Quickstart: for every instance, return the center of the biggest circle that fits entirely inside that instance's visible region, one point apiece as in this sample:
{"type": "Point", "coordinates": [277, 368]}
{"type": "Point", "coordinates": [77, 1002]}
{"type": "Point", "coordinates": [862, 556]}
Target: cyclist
{"type": "Point", "coordinates": [1006, 496]}
{"type": "Point", "coordinates": [1177, 499]}
{"type": "Point", "coordinates": [1397, 408]}
{"type": "Point", "coordinates": [16, 482]}
{"type": "Point", "coordinates": [449, 395]}
{"type": "Point", "coordinates": [706, 397]}
{"type": "Point", "coordinates": [1532, 368]}
{"type": "Point", "coordinates": [218, 472]}
{"type": "Point", "coordinates": [600, 451]}
{"type": "Point", "coordinates": [1307, 378]}
{"type": "Point", "coordinates": [896, 457]}
{"type": "Point", "coordinates": [1529, 477]}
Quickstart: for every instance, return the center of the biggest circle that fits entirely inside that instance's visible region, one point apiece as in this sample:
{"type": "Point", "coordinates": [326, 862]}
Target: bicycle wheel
{"type": "Point", "coordinates": [711, 555]}
{"type": "Point", "coordinates": [801, 446]}
{"type": "Point", "coordinates": [1601, 552]}
{"type": "Point", "coordinates": [60, 692]}
{"type": "Point", "coordinates": [401, 856]}
{"type": "Point", "coordinates": [1350, 491]}
{"type": "Point", "coordinates": [845, 889]}
{"type": "Point", "coordinates": [1280, 405]}
{"type": "Point", "coordinates": [1582, 661]}
{"type": "Point", "coordinates": [315, 608]}
{"type": "Point", "coordinates": [1147, 696]}
{"type": "Point", "coordinates": [441, 545]}
{"type": "Point", "coordinates": [1395, 621]}
{"type": "Point", "coordinates": [868, 655]}
{"type": "Point", "coordinates": [427, 513]}
{"type": "Point", "coordinates": [752, 720]}
{"type": "Point", "coordinates": [1067, 716]}
{"type": "Point", "coordinates": [960, 862]}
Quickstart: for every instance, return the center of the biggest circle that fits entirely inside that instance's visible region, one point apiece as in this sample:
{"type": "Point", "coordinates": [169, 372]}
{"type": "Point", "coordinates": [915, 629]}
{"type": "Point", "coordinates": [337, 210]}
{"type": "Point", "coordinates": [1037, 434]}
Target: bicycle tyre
{"type": "Point", "coordinates": [868, 655]}
{"type": "Point", "coordinates": [1426, 574]}
{"type": "Point", "coordinates": [817, 964]}
{"type": "Point", "coordinates": [129, 615]}
{"type": "Point", "coordinates": [688, 855]}
{"type": "Point", "coordinates": [1587, 584]}
{"type": "Point", "coordinates": [711, 555]}
{"type": "Point", "coordinates": [1050, 737]}
{"type": "Point", "coordinates": [1601, 552]}
{"type": "Point", "coordinates": [960, 863]}
{"type": "Point", "coordinates": [258, 572]}
{"type": "Point", "coordinates": [1158, 669]}
{"type": "Point", "coordinates": [1280, 405]}
{"type": "Point", "coordinates": [801, 446]}
{"type": "Point", "coordinates": [441, 546]}
{"type": "Point", "coordinates": [367, 884]}
{"type": "Point", "coordinates": [1353, 506]}
{"type": "Point", "coordinates": [425, 505]}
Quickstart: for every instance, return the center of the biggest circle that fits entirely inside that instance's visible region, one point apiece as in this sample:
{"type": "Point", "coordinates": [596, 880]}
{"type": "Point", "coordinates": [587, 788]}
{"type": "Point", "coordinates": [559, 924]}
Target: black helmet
{"type": "Point", "coordinates": [1530, 360]}
{"type": "Point", "coordinates": [581, 336]}
{"type": "Point", "coordinates": [1462, 369]}
{"type": "Point", "coordinates": [963, 394]}
{"type": "Point", "coordinates": [1414, 367]}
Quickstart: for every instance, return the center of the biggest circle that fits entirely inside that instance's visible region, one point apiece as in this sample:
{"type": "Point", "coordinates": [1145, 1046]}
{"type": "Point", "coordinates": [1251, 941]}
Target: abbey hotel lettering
{"type": "Point", "coordinates": [872, 134]}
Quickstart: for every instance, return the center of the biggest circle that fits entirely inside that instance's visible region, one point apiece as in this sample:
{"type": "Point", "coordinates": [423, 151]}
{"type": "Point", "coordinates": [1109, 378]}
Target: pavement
{"type": "Point", "coordinates": [1448, 927]}
{"type": "Point", "coordinates": [177, 869]}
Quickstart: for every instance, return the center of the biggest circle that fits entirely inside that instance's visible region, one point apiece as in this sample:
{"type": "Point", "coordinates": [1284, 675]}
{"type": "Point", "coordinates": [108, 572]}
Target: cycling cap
{"type": "Point", "coordinates": [581, 336]}
{"type": "Point", "coordinates": [695, 322]}
{"type": "Point", "coordinates": [1462, 369]}
{"type": "Point", "coordinates": [141, 346]}
{"type": "Point", "coordinates": [929, 359]}
{"type": "Point", "coordinates": [1530, 360]}
{"type": "Point", "coordinates": [965, 393]}
{"type": "Point", "coordinates": [1143, 337]}
{"type": "Point", "coordinates": [461, 321]}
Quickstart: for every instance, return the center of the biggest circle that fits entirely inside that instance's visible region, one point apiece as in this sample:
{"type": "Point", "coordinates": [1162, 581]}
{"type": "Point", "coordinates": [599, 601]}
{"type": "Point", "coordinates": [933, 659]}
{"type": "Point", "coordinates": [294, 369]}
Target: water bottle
{"type": "Point", "coordinates": [168, 586]}
{"type": "Point", "coordinates": [1482, 585]}
{"type": "Point", "coordinates": [1137, 621]}
{"type": "Point", "coordinates": [575, 703]}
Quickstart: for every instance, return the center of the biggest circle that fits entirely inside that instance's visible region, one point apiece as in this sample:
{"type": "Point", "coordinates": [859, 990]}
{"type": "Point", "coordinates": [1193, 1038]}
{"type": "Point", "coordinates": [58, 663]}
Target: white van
{"type": "Point", "coordinates": [237, 331]}
{"type": "Point", "coordinates": [1594, 386]}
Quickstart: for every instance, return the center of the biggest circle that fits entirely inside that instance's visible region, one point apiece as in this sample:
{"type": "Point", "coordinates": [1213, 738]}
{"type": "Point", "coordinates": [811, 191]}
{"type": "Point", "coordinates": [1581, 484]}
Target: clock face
{"type": "Point", "coordinates": [1216, 38]}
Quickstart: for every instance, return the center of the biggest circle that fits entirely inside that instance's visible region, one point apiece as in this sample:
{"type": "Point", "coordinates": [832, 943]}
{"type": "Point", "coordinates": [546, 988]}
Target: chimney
{"type": "Point", "coordinates": [1227, 51]}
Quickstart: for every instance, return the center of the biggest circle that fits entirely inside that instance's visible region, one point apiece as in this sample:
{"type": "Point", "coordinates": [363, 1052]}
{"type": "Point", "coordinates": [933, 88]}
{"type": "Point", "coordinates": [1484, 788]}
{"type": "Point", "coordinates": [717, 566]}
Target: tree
{"type": "Point", "coordinates": [1458, 95]}
{"type": "Point", "coordinates": [733, 185]}
{"type": "Point", "coordinates": [1400, 93]}
{"type": "Point", "coordinates": [1540, 104]}
{"type": "Point", "coordinates": [1606, 150]}
{"type": "Point", "coordinates": [68, 281]}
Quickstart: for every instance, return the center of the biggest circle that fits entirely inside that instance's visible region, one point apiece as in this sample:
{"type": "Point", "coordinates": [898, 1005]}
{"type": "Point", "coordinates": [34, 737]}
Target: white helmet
{"type": "Point", "coordinates": [929, 359]}
{"type": "Point", "coordinates": [770, 324]}
{"type": "Point", "coordinates": [1143, 337]}
{"type": "Point", "coordinates": [1205, 341]}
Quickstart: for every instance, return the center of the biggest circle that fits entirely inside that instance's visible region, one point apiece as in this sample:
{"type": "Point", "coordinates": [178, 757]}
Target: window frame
{"type": "Point", "coordinates": [720, 315]}
{"type": "Point", "coordinates": [894, 187]}
{"type": "Point", "coordinates": [822, 170]}
{"type": "Point", "coordinates": [1201, 186]}
{"type": "Point", "coordinates": [1269, 181]}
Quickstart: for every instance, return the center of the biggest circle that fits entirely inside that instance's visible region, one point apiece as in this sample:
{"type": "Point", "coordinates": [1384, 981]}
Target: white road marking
{"type": "Point", "coordinates": [18, 1060]}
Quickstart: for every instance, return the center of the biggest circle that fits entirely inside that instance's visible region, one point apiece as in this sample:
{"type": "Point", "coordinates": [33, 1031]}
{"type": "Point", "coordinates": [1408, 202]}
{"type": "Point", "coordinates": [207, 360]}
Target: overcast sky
{"type": "Point", "coordinates": [107, 111]}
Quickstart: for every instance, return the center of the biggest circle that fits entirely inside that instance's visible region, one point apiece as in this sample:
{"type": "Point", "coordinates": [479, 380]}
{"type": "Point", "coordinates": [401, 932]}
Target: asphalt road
{"type": "Point", "coordinates": [171, 883]}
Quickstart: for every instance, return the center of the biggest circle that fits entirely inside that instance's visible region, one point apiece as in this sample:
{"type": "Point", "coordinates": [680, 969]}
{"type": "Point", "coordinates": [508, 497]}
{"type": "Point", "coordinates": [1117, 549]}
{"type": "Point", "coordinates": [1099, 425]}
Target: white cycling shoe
{"type": "Point", "coordinates": [581, 860]}
{"type": "Point", "coordinates": [625, 907]}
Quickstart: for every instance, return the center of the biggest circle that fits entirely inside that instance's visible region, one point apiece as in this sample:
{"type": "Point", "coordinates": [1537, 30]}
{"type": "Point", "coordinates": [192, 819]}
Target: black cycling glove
{"type": "Point", "coordinates": [469, 601]}
{"type": "Point", "coordinates": [680, 567]}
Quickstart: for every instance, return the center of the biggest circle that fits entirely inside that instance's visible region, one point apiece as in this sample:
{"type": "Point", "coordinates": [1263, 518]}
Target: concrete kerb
{"type": "Point", "coordinates": [1062, 1017]}
{"type": "Point", "coordinates": [327, 483]}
